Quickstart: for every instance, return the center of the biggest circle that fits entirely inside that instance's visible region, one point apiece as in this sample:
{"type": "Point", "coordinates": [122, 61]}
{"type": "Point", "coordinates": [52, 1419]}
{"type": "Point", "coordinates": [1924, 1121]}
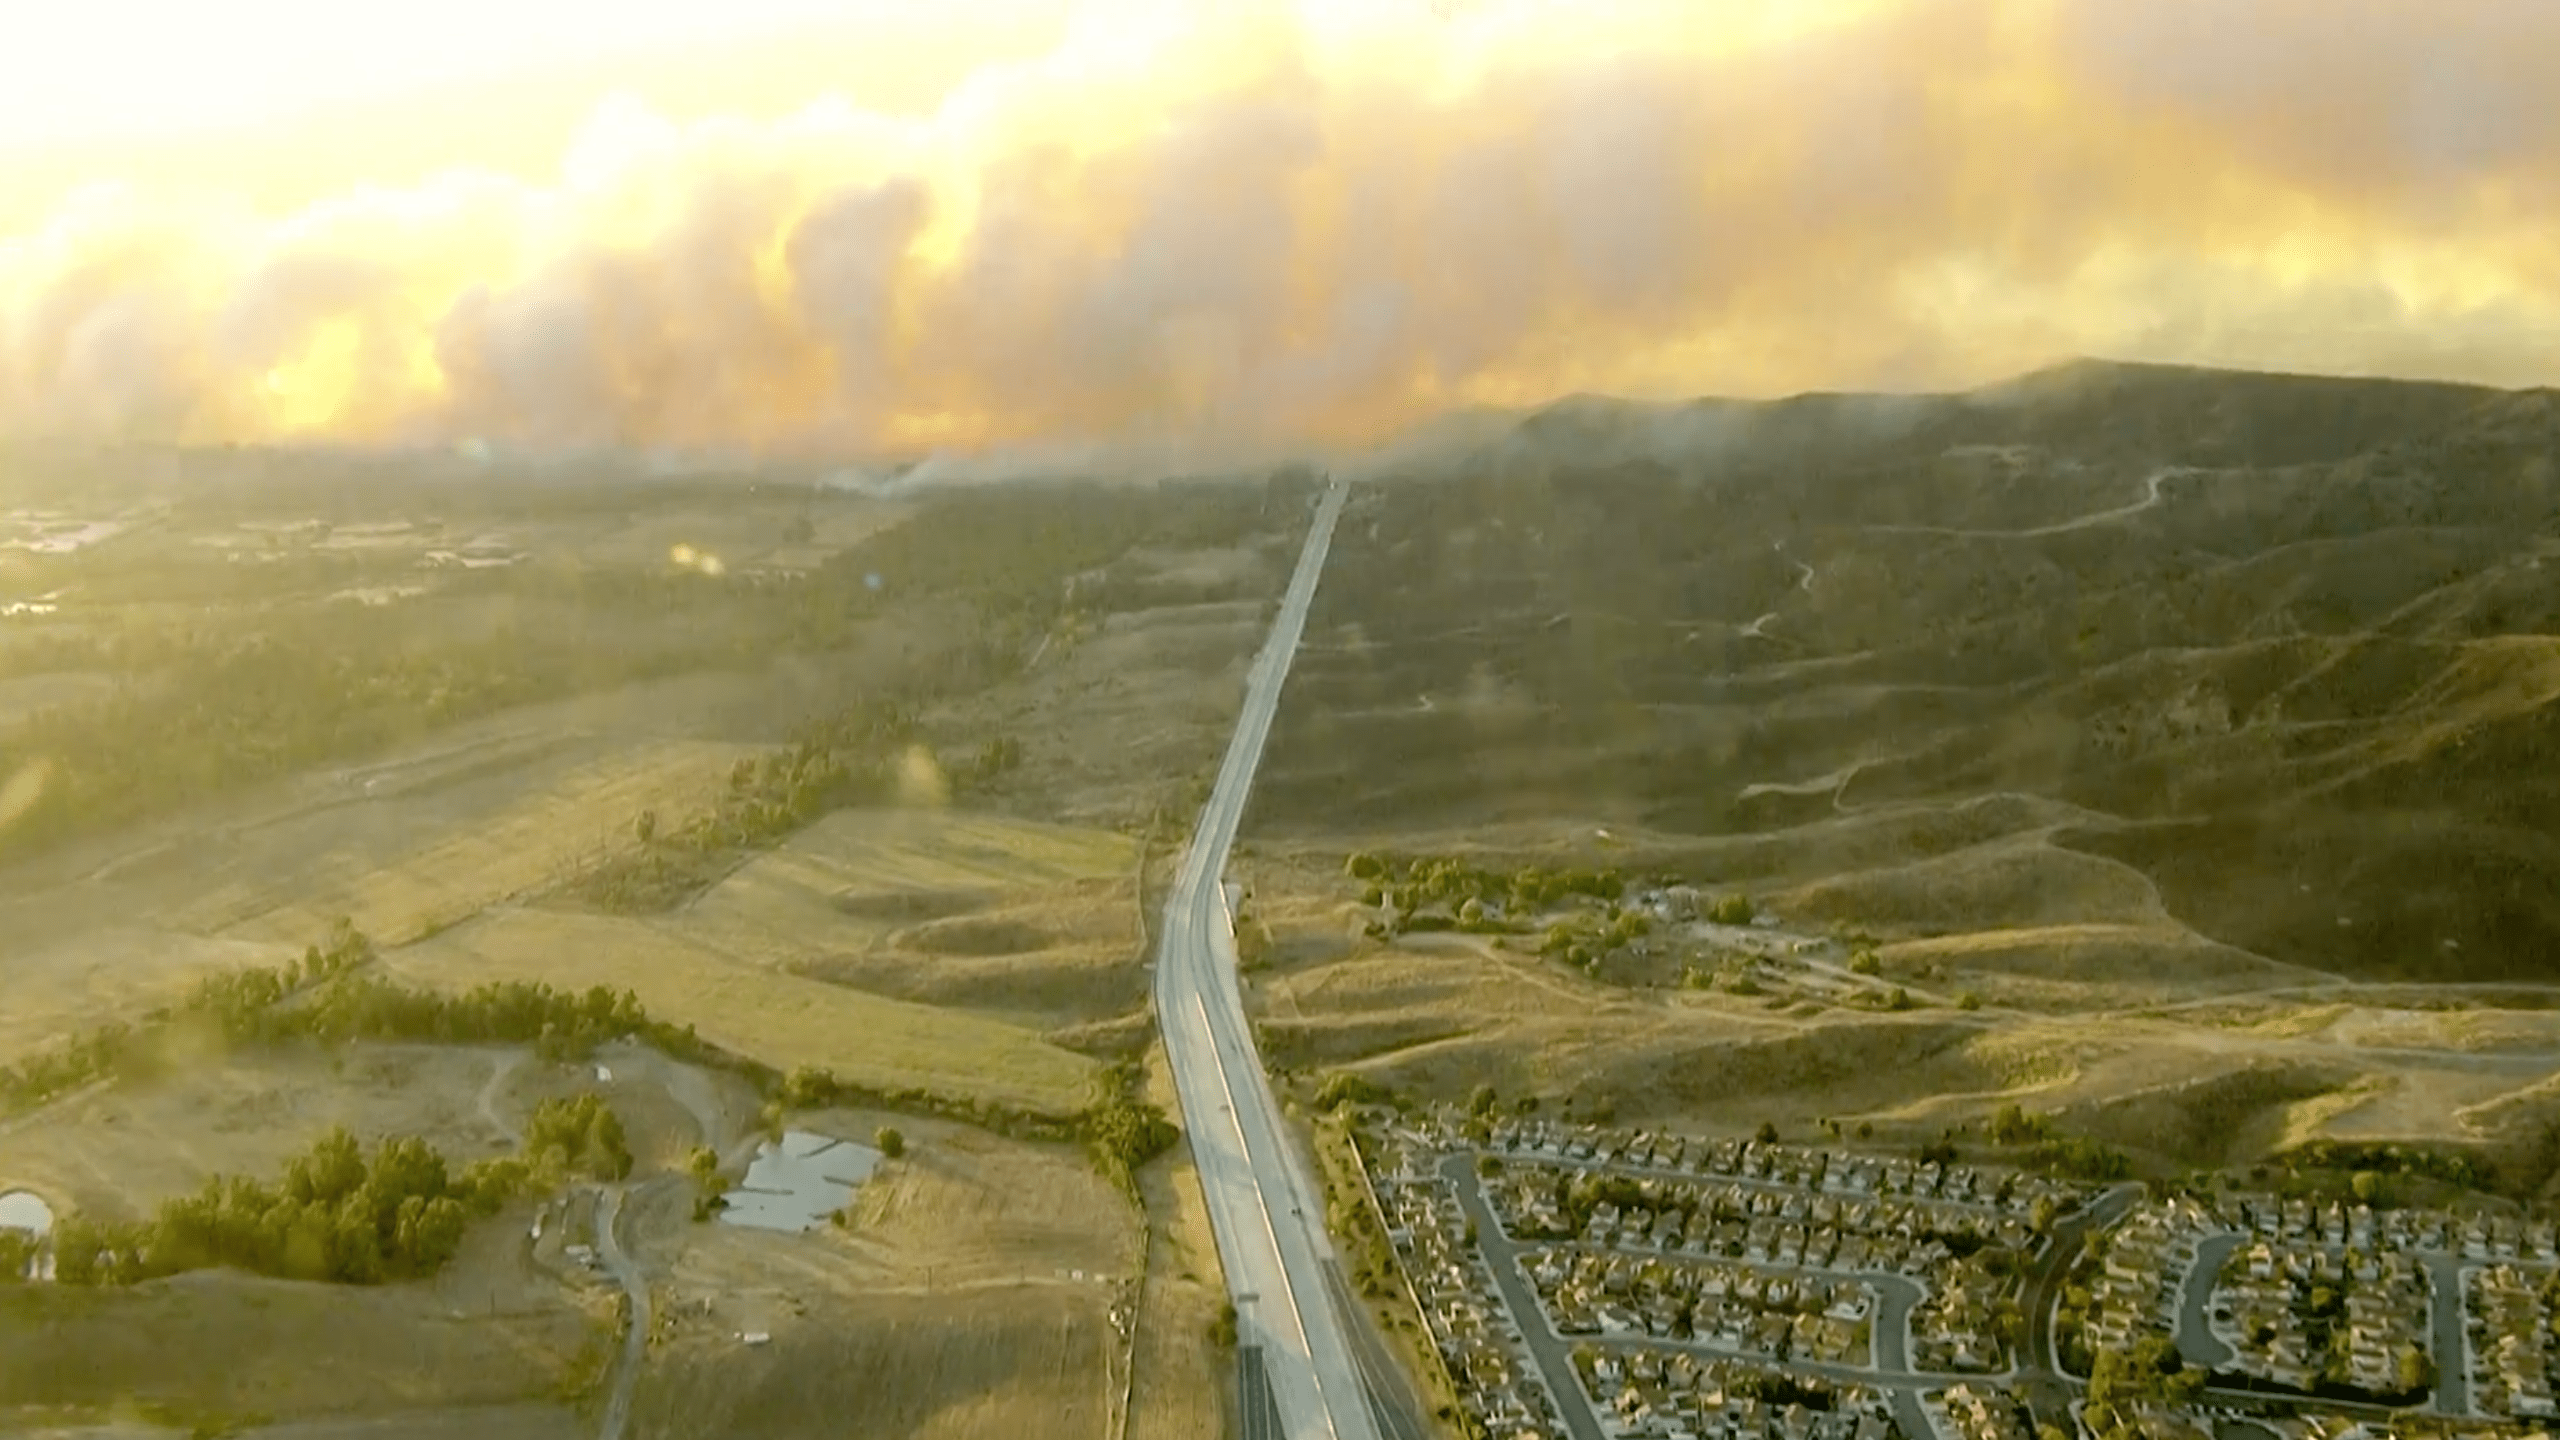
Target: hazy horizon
{"type": "Point", "coordinates": [1270, 223]}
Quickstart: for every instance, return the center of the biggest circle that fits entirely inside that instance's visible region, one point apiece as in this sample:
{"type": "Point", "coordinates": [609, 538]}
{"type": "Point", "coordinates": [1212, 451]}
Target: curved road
{"type": "Point", "coordinates": [1268, 1220]}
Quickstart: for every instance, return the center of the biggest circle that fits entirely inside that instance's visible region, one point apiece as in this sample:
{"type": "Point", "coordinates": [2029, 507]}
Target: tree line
{"type": "Point", "coordinates": [316, 998]}
{"type": "Point", "coordinates": [340, 1215]}
{"type": "Point", "coordinates": [1120, 1130]}
{"type": "Point", "coordinates": [851, 759]}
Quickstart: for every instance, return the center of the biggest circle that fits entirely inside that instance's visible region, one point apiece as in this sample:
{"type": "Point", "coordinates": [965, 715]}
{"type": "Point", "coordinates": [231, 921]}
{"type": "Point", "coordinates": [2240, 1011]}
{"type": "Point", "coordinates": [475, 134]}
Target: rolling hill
{"type": "Point", "coordinates": [2274, 655]}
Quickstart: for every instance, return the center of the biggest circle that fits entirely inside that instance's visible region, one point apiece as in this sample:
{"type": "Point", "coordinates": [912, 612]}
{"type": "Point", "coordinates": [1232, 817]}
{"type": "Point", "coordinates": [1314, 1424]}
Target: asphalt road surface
{"type": "Point", "coordinates": [2196, 1342]}
{"type": "Point", "coordinates": [2451, 1348]}
{"type": "Point", "coordinates": [635, 1336]}
{"type": "Point", "coordinates": [1269, 1221]}
{"type": "Point", "coordinates": [2039, 1377]}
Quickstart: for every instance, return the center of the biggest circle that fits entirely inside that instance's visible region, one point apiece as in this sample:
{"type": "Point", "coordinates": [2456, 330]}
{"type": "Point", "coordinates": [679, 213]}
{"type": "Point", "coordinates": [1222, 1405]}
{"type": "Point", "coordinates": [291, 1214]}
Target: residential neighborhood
{"type": "Point", "coordinates": [1584, 1282]}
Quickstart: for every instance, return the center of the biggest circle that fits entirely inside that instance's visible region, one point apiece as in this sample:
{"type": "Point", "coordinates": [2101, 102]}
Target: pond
{"type": "Point", "coordinates": [795, 1185]}
{"type": "Point", "coordinates": [25, 1210]}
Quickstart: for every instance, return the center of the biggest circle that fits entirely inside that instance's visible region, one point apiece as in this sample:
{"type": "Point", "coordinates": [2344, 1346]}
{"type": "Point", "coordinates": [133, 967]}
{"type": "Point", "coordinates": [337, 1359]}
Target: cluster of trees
{"type": "Point", "coordinates": [2072, 1157]}
{"type": "Point", "coordinates": [559, 1024]}
{"type": "Point", "coordinates": [239, 1006]}
{"type": "Point", "coordinates": [2077, 1157]}
{"type": "Point", "coordinates": [2450, 1167]}
{"type": "Point", "coordinates": [1345, 1087]}
{"type": "Point", "coordinates": [1123, 1131]}
{"type": "Point", "coordinates": [577, 1135]}
{"type": "Point", "coordinates": [1127, 1132]}
{"type": "Point", "coordinates": [852, 759]}
{"type": "Point", "coordinates": [709, 1186]}
{"type": "Point", "coordinates": [1583, 941]}
{"type": "Point", "coordinates": [336, 1215]}
{"type": "Point", "coordinates": [2150, 1370]}
{"type": "Point", "coordinates": [1442, 880]}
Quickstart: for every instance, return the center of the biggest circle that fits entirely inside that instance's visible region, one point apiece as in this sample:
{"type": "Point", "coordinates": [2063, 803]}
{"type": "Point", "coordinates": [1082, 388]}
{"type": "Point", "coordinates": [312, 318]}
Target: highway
{"type": "Point", "coordinates": [1268, 1220]}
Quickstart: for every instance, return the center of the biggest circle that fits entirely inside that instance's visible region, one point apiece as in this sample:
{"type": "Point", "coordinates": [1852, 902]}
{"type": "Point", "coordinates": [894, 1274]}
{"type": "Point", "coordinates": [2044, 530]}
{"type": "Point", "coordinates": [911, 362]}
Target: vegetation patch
{"type": "Point", "coordinates": [337, 1216]}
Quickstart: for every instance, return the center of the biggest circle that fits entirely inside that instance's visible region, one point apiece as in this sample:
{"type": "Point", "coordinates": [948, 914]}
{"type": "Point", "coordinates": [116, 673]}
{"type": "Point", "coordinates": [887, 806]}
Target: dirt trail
{"type": "Point", "coordinates": [502, 1065]}
{"type": "Point", "coordinates": [2151, 496]}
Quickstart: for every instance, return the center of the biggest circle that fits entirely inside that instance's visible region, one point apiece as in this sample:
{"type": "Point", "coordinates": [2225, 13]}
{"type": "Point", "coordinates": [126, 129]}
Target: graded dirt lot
{"type": "Point", "coordinates": [781, 1019]}
{"type": "Point", "coordinates": [970, 1294]}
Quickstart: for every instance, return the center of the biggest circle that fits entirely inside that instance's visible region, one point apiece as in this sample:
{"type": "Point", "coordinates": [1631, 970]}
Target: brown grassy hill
{"type": "Point", "coordinates": [2283, 648]}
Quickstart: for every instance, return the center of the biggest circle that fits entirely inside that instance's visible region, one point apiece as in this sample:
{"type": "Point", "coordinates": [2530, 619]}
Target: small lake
{"type": "Point", "coordinates": [25, 1210]}
{"type": "Point", "coordinates": [795, 1185]}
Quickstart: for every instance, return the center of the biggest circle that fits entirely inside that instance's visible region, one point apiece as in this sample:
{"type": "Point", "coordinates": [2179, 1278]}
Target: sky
{"type": "Point", "coordinates": [868, 227]}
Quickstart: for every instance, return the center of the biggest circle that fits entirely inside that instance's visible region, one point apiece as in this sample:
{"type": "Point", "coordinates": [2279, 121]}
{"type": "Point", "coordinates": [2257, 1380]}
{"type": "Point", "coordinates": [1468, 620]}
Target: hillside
{"type": "Point", "coordinates": [2274, 655]}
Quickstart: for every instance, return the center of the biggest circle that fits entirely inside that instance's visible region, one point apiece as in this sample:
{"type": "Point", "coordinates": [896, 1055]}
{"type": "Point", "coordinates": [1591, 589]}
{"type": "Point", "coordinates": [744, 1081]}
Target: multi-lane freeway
{"type": "Point", "coordinates": [1269, 1221]}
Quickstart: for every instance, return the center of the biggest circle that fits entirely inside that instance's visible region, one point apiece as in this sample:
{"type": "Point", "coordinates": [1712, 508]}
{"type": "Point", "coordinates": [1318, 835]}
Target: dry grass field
{"type": "Point", "coordinates": [1121, 722]}
{"type": "Point", "coordinates": [861, 877]}
{"type": "Point", "coordinates": [969, 1296]}
{"type": "Point", "coordinates": [1181, 1387]}
{"type": "Point", "coordinates": [404, 843]}
{"type": "Point", "coordinates": [781, 1019]}
{"type": "Point", "coordinates": [2135, 1061]}
{"type": "Point", "coordinates": [217, 1345]}
{"type": "Point", "coordinates": [120, 1151]}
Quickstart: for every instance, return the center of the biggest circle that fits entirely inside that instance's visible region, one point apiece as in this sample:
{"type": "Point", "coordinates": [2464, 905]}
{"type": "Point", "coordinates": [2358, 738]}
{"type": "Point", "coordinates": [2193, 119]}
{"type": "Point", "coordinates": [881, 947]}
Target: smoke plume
{"type": "Point", "coordinates": [1274, 226]}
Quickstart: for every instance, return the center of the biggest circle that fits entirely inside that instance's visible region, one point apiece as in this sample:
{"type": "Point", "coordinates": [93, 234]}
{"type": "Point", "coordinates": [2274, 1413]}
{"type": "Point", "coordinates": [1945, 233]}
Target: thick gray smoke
{"type": "Point", "coordinates": [1275, 228]}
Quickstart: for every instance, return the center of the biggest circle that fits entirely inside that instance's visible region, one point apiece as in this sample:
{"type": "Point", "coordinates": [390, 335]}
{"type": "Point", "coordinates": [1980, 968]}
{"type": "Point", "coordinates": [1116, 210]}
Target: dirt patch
{"type": "Point", "coordinates": [969, 1294]}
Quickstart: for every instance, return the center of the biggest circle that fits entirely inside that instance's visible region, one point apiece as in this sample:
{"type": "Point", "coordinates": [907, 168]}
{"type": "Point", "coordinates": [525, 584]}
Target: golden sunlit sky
{"type": "Point", "coordinates": [787, 224]}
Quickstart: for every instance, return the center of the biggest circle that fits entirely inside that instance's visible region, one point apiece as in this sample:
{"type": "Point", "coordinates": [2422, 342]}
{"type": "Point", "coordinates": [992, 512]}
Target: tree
{"type": "Point", "coordinates": [1361, 865]}
{"type": "Point", "coordinates": [645, 828]}
{"type": "Point", "coordinates": [889, 1142]}
{"type": "Point", "coordinates": [1864, 962]}
{"type": "Point", "coordinates": [1767, 1134]}
{"type": "Point", "coordinates": [1222, 1327]}
{"type": "Point", "coordinates": [1968, 1001]}
{"type": "Point", "coordinates": [2417, 1370]}
{"type": "Point", "coordinates": [2367, 1186]}
{"type": "Point", "coordinates": [2013, 1126]}
{"type": "Point", "coordinates": [1481, 1100]}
